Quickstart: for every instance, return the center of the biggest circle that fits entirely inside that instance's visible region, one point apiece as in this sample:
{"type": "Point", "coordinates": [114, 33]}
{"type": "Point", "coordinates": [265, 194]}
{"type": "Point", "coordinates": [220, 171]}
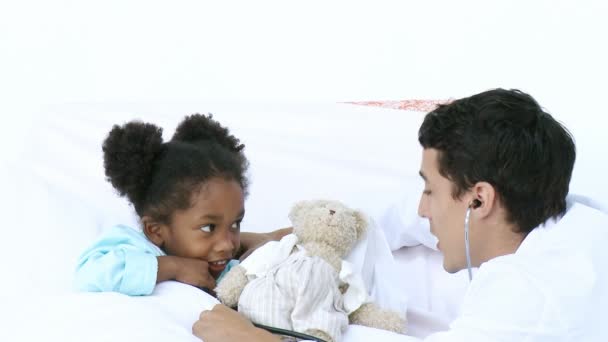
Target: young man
{"type": "Point", "coordinates": [497, 167]}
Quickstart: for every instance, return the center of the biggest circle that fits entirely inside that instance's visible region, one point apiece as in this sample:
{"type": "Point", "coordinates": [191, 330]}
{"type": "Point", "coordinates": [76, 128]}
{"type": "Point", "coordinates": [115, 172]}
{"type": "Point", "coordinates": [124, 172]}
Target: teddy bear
{"type": "Point", "coordinates": [302, 283]}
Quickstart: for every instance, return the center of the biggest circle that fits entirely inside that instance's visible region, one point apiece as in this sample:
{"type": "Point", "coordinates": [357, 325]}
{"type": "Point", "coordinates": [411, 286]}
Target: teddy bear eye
{"type": "Point", "coordinates": [331, 212]}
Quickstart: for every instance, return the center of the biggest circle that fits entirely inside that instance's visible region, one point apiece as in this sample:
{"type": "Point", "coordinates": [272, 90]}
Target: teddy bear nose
{"type": "Point", "coordinates": [331, 212]}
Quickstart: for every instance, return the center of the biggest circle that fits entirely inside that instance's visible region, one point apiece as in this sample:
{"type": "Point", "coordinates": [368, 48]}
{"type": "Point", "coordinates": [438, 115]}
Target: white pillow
{"type": "Point", "coordinates": [403, 226]}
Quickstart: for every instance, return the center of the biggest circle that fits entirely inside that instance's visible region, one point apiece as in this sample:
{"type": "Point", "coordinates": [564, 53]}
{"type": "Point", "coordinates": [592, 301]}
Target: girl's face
{"type": "Point", "coordinates": [210, 229]}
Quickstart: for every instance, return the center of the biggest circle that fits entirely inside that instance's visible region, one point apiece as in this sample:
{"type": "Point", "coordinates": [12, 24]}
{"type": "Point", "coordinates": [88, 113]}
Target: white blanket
{"type": "Point", "coordinates": [166, 315]}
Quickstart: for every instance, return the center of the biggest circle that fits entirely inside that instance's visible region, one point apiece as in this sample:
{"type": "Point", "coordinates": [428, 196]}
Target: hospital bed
{"type": "Point", "coordinates": [56, 201]}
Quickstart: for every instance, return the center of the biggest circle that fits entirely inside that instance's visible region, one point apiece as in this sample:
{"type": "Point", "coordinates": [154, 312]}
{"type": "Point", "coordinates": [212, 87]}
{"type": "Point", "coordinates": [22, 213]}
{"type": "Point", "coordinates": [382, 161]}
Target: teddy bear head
{"type": "Point", "coordinates": [328, 223]}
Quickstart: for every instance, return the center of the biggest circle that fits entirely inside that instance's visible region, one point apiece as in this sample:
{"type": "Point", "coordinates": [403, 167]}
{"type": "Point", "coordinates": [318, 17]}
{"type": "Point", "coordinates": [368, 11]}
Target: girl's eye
{"type": "Point", "coordinates": [207, 228]}
{"type": "Point", "coordinates": [236, 226]}
{"type": "Point", "coordinates": [427, 192]}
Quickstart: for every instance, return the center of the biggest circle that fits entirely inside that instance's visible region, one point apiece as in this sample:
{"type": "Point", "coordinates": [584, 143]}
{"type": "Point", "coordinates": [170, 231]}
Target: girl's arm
{"type": "Point", "coordinates": [251, 241]}
{"type": "Point", "coordinates": [123, 260]}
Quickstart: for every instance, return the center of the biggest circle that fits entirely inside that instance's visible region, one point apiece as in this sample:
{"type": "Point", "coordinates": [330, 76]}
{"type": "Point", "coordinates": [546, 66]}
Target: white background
{"type": "Point", "coordinates": [57, 52]}
{"type": "Point", "coordinates": [81, 51]}
{"type": "Point", "coordinates": [241, 52]}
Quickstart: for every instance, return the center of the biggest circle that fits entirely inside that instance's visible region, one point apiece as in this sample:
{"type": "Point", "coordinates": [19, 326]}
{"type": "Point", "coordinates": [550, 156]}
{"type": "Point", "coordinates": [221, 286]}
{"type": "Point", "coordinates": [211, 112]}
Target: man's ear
{"type": "Point", "coordinates": [486, 196]}
{"type": "Point", "coordinates": [154, 231]}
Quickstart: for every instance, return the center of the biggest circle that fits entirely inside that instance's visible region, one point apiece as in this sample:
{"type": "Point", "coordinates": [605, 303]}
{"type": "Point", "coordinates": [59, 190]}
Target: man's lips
{"type": "Point", "coordinates": [435, 235]}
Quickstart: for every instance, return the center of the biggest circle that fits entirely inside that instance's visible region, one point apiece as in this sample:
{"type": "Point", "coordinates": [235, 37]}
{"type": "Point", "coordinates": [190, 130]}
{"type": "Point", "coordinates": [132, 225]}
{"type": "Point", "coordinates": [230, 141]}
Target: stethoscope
{"type": "Point", "coordinates": [290, 333]}
{"type": "Point", "coordinates": [467, 249]}
{"type": "Point", "coordinates": [474, 205]}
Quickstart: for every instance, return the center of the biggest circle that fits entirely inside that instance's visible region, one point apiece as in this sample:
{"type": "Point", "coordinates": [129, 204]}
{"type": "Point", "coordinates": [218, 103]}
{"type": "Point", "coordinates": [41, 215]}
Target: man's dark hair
{"type": "Point", "coordinates": [505, 138]}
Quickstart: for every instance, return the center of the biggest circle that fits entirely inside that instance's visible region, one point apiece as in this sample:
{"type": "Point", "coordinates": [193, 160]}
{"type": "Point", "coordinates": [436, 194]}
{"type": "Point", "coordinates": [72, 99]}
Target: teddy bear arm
{"type": "Point", "coordinates": [320, 334]}
{"type": "Point", "coordinates": [371, 315]}
{"type": "Point", "coordinates": [230, 288]}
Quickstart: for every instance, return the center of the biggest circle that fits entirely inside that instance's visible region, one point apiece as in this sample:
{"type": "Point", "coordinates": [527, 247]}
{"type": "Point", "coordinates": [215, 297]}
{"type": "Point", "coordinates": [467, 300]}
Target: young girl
{"type": "Point", "coordinates": [189, 194]}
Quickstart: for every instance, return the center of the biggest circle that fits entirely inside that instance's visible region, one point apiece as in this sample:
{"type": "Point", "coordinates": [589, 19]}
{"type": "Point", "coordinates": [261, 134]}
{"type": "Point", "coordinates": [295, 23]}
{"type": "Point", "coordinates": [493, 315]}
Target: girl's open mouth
{"type": "Point", "coordinates": [217, 267]}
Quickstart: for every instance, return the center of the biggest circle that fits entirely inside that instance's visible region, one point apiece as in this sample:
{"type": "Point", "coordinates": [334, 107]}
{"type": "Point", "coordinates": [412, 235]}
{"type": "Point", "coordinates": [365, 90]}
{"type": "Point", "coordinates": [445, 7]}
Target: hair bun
{"type": "Point", "coordinates": [129, 152]}
{"type": "Point", "coordinates": [198, 127]}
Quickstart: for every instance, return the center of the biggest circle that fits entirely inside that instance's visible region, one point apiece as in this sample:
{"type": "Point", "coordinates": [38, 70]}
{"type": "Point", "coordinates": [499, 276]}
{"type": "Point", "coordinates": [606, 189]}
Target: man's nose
{"type": "Point", "coordinates": [422, 207]}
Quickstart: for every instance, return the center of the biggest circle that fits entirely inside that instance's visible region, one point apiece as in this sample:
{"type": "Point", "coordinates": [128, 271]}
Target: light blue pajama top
{"type": "Point", "coordinates": [123, 260]}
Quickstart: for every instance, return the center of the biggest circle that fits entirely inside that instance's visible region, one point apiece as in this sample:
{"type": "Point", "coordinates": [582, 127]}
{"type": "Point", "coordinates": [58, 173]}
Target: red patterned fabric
{"type": "Point", "coordinates": [414, 105]}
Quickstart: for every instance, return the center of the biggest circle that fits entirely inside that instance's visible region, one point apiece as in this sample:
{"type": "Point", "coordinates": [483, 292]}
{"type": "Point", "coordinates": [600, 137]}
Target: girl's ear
{"type": "Point", "coordinates": [154, 231]}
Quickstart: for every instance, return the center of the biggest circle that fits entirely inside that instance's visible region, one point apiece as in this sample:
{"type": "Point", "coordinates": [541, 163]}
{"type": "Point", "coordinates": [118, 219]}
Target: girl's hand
{"type": "Point", "coordinates": [189, 271]}
{"type": "Point", "coordinates": [222, 324]}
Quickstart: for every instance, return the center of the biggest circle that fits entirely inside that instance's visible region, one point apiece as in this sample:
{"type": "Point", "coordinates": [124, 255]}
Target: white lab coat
{"type": "Point", "coordinates": [554, 288]}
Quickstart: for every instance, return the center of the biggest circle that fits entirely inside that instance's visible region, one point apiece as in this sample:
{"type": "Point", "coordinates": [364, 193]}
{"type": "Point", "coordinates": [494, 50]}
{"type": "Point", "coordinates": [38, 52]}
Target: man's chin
{"type": "Point", "coordinates": [450, 268]}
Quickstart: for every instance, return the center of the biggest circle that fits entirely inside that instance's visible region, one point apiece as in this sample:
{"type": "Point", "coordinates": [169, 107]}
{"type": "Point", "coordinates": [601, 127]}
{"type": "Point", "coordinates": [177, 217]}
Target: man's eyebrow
{"type": "Point", "coordinates": [422, 175]}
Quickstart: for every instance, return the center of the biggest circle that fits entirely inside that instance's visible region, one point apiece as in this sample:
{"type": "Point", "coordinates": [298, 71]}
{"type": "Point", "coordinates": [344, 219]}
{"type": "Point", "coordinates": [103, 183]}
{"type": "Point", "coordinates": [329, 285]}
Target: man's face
{"type": "Point", "coordinates": [445, 214]}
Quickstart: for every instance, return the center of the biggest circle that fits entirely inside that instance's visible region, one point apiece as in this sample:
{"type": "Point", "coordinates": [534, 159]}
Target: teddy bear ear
{"type": "Point", "coordinates": [362, 223]}
{"type": "Point", "coordinates": [298, 209]}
